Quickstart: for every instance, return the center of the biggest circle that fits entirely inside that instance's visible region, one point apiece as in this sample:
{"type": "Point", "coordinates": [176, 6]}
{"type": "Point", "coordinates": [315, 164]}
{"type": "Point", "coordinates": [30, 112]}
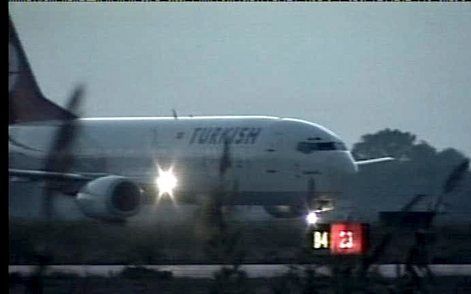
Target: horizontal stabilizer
{"type": "Point", "coordinates": [362, 163]}
{"type": "Point", "coordinates": [36, 175]}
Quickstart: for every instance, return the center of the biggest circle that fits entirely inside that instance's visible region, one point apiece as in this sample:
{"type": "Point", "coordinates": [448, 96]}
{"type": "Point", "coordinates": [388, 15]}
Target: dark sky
{"type": "Point", "coordinates": [354, 68]}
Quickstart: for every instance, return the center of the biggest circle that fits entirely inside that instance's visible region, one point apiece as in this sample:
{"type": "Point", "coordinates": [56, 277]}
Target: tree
{"type": "Point", "coordinates": [387, 142]}
{"type": "Point", "coordinates": [402, 146]}
{"type": "Point", "coordinates": [419, 169]}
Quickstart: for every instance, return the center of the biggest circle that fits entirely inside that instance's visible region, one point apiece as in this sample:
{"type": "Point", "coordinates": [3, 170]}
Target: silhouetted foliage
{"type": "Point", "coordinates": [456, 176]}
{"type": "Point", "coordinates": [403, 147]}
{"type": "Point", "coordinates": [387, 142]}
{"type": "Point", "coordinates": [419, 169]}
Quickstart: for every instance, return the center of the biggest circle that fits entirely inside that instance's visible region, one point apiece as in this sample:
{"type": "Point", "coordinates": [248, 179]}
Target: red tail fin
{"type": "Point", "coordinates": [26, 102]}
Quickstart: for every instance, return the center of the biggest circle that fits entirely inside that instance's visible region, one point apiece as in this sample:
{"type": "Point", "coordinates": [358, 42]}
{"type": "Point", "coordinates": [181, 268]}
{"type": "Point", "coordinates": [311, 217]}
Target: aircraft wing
{"type": "Point", "coordinates": [71, 183]}
{"type": "Point", "coordinates": [39, 175]}
{"type": "Point", "coordinates": [362, 163]}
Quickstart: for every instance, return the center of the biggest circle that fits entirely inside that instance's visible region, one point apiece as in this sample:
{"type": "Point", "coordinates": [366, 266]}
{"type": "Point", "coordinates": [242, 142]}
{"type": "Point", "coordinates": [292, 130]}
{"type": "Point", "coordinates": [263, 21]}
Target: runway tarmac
{"type": "Point", "coordinates": [252, 270]}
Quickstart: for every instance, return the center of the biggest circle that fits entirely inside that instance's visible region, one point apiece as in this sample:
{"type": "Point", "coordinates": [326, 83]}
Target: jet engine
{"type": "Point", "coordinates": [110, 198]}
{"type": "Point", "coordinates": [285, 211]}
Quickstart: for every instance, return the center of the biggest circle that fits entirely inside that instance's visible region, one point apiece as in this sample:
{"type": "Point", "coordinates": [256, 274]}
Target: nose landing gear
{"type": "Point", "coordinates": [316, 203]}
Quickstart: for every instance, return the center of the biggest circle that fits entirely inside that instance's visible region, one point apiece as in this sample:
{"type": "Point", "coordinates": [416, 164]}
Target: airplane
{"type": "Point", "coordinates": [115, 165]}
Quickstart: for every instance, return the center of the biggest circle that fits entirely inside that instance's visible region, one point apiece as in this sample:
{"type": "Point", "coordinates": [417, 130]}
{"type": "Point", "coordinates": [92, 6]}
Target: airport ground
{"type": "Point", "coordinates": [189, 241]}
{"type": "Point", "coordinates": [178, 236]}
{"type": "Point", "coordinates": [140, 280]}
{"type": "Point", "coordinates": [250, 242]}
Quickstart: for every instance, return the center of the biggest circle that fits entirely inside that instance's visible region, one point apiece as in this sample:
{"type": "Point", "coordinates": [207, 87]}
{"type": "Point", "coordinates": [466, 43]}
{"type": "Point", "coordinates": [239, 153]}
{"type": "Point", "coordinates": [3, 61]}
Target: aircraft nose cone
{"type": "Point", "coordinates": [342, 162]}
{"type": "Point", "coordinates": [351, 166]}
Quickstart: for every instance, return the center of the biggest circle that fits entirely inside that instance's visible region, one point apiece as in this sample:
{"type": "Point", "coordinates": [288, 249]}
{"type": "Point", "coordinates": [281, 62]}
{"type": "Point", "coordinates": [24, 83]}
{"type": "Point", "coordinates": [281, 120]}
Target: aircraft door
{"type": "Point", "coordinates": [273, 153]}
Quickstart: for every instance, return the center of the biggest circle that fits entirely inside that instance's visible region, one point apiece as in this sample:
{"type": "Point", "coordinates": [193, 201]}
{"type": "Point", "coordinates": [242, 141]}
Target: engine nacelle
{"type": "Point", "coordinates": [110, 198]}
{"type": "Point", "coordinates": [285, 211]}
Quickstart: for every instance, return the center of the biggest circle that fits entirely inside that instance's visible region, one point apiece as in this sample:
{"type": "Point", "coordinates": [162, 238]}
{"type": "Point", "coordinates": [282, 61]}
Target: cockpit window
{"type": "Point", "coordinates": [325, 146]}
{"type": "Point", "coordinates": [308, 147]}
{"type": "Point", "coordinates": [341, 146]}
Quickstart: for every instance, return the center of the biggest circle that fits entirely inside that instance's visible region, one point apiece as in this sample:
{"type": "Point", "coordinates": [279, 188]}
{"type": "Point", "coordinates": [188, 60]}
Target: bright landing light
{"type": "Point", "coordinates": [166, 182]}
{"type": "Point", "coordinates": [312, 218]}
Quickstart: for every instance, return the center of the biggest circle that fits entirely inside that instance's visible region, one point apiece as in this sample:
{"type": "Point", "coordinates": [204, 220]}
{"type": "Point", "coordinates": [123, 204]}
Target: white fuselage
{"type": "Point", "coordinates": [272, 160]}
